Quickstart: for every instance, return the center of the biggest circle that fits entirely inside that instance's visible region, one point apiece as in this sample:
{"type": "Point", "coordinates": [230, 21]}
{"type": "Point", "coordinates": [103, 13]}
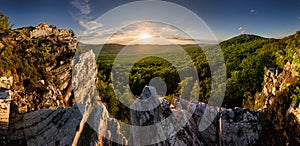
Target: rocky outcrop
{"type": "Point", "coordinates": [230, 127]}
{"type": "Point", "coordinates": [275, 82]}
{"type": "Point", "coordinates": [90, 121]}
{"type": "Point", "coordinates": [84, 78]}
{"type": "Point", "coordinates": [97, 127]}
{"type": "Point", "coordinates": [147, 117]}
{"type": "Point", "coordinates": [42, 81]}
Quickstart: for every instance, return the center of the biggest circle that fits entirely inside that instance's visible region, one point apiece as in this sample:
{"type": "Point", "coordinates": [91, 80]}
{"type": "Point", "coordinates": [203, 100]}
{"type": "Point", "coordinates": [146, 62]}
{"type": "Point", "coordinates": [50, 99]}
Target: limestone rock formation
{"type": "Point", "coordinates": [230, 127]}
{"type": "Point", "coordinates": [275, 82]}
{"type": "Point", "coordinates": [84, 77]}
{"type": "Point", "coordinates": [97, 126]}
{"type": "Point", "coordinates": [44, 127]}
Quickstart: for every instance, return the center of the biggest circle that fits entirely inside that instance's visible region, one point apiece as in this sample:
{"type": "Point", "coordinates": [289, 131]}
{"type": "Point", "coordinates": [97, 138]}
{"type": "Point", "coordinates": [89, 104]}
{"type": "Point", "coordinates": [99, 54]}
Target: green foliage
{"type": "Point", "coordinates": [295, 92]}
{"type": "Point", "coordinates": [246, 58]}
{"type": "Point", "coordinates": [185, 88]}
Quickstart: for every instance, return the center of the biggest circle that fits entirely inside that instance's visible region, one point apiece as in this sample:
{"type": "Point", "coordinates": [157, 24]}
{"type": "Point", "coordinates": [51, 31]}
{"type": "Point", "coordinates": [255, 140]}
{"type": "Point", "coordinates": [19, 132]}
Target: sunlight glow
{"type": "Point", "coordinates": [145, 36]}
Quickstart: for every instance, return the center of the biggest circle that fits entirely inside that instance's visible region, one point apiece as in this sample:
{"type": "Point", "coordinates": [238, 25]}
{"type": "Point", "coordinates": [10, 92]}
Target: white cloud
{"type": "Point", "coordinates": [90, 25]}
{"type": "Point", "coordinates": [299, 18]}
{"type": "Point", "coordinates": [242, 30]}
{"type": "Point", "coordinates": [83, 6]}
{"type": "Point", "coordinates": [252, 11]}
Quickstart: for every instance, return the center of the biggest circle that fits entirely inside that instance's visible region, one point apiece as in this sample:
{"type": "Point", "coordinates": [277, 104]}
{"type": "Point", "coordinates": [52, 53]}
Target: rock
{"type": "Point", "coordinates": [295, 111]}
{"type": "Point", "coordinates": [240, 127]}
{"type": "Point", "coordinates": [6, 82]}
{"type": "Point", "coordinates": [275, 82]}
{"type": "Point", "coordinates": [1, 46]}
{"type": "Point", "coordinates": [147, 111]}
{"type": "Point", "coordinates": [60, 126]}
{"type": "Point", "coordinates": [99, 128]}
{"type": "Point", "coordinates": [84, 77]}
{"type": "Point", "coordinates": [230, 127]}
{"type": "Point", "coordinates": [53, 88]}
{"type": "Point", "coordinates": [45, 127]}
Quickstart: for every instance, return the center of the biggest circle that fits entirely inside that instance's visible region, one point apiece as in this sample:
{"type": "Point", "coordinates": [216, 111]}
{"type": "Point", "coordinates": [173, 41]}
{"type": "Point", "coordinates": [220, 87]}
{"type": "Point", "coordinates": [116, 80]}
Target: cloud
{"type": "Point", "coordinates": [82, 6]}
{"type": "Point", "coordinates": [90, 25]}
{"type": "Point", "coordinates": [98, 34]}
{"type": "Point", "coordinates": [298, 18]}
{"type": "Point", "coordinates": [252, 11]}
{"type": "Point", "coordinates": [242, 30]}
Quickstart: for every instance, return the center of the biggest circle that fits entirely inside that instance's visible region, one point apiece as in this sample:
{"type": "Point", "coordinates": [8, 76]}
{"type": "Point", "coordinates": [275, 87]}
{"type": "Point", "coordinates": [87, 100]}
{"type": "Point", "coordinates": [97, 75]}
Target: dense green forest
{"type": "Point", "coordinates": [247, 59]}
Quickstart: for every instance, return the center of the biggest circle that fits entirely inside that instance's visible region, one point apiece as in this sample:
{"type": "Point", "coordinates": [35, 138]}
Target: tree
{"type": "Point", "coordinates": [185, 87]}
{"type": "Point", "coordinates": [195, 92]}
{"type": "Point", "coordinates": [4, 24]}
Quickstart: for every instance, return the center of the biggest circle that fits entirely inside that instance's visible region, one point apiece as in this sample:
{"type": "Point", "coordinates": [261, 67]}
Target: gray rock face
{"type": "Point", "coordinates": [84, 78]}
{"type": "Point", "coordinates": [239, 127]}
{"type": "Point", "coordinates": [147, 117]}
{"type": "Point", "coordinates": [97, 127]}
{"type": "Point", "coordinates": [230, 127]}
{"type": "Point", "coordinates": [44, 127]}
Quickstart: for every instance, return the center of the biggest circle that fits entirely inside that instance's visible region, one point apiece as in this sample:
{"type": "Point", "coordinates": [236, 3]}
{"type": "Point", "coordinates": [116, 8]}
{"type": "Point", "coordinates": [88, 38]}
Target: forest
{"type": "Point", "coordinates": [247, 58]}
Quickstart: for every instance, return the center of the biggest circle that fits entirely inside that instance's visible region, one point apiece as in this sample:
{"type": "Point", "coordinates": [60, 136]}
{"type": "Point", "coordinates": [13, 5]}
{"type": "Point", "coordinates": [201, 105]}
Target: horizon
{"type": "Point", "coordinates": [199, 44]}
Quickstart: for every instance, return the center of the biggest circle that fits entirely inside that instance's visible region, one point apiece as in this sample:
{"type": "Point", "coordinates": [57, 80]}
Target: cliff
{"type": "Point", "coordinates": [39, 61]}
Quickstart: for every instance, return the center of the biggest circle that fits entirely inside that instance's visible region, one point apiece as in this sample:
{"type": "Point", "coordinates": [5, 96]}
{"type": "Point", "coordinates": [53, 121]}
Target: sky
{"type": "Point", "coordinates": [119, 21]}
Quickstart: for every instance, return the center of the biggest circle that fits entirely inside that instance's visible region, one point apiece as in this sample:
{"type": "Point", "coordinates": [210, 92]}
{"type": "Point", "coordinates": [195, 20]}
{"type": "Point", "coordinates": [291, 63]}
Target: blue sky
{"type": "Point", "coordinates": [226, 18]}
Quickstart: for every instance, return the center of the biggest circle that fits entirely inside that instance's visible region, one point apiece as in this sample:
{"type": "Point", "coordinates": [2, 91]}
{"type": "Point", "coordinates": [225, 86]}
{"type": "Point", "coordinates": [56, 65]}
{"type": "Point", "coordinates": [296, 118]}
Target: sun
{"type": "Point", "coordinates": [145, 36]}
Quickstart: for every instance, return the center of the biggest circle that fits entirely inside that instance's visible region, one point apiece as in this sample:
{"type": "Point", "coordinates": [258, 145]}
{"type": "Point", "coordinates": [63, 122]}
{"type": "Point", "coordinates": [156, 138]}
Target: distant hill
{"type": "Point", "coordinates": [116, 48]}
{"type": "Point", "coordinates": [244, 38]}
